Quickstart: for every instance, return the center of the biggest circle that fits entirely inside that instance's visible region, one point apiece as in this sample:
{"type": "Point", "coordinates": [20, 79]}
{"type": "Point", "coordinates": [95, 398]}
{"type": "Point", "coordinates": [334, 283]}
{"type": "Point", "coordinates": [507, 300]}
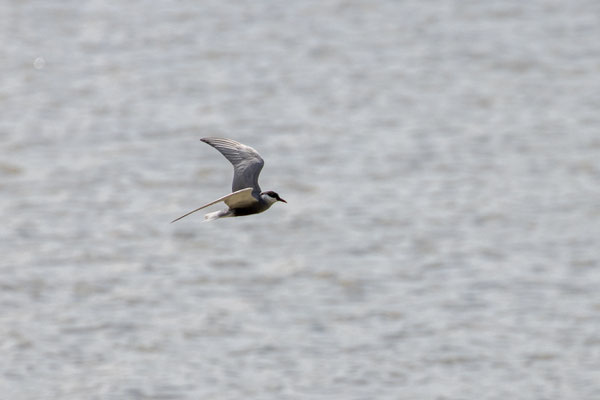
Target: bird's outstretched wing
{"type": "Point", "coordinates": [247, 163]}
{"type": "Point", "coordinates": [241, 198]}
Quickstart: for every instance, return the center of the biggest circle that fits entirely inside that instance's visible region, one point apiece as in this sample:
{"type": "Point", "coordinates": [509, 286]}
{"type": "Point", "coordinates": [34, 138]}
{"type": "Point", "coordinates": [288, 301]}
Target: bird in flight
{"type": "Point", "coordinates": [247, 198]}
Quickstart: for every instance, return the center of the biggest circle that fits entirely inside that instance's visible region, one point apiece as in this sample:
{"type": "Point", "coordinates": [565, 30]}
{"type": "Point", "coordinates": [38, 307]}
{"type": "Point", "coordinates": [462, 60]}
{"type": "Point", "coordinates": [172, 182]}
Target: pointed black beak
{"type": "Point", "coordinates": [280, 199]}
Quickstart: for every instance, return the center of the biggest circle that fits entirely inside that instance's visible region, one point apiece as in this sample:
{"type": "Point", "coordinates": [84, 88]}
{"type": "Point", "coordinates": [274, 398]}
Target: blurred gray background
{"type": "Point", "coordinates": [441, 160]}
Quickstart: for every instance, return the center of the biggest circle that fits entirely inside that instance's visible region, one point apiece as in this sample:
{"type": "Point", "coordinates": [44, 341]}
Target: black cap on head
{"type": "Point", "coordinates": [274, 195]}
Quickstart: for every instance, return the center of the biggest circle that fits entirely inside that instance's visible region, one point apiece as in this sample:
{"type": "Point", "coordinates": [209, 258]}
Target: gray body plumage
{"type": "Point", "coordinates": [246, 161]}
{"type": "Point", "coordinates": [246, 197]}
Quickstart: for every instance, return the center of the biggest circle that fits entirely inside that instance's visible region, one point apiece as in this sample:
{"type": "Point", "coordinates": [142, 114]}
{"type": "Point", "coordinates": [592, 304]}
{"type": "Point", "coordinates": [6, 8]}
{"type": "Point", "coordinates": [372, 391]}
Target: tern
{"type": "Point", "coordinates": [247, 198]}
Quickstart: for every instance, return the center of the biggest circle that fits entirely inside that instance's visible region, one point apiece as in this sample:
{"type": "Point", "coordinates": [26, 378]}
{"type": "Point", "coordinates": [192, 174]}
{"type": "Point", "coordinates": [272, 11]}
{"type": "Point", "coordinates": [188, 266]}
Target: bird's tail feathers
{"type": "Point", "coordinates": [217, 214]}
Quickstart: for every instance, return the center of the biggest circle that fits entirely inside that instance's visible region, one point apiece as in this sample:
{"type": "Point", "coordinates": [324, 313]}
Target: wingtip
{"type": "Point", "coordinates": [210, 140]}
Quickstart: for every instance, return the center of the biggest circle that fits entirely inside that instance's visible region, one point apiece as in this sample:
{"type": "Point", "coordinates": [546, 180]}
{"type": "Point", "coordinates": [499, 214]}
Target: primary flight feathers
{"type": "Point", "coordinates": [247, 197]}
{"type": "Point", "coordinates": [241, 198]}
{"type": "Point", "coordinates": [247, 163]}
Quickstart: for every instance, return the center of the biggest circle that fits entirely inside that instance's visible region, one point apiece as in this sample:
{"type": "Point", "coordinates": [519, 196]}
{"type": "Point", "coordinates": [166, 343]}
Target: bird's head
{"type": "Point", "coordinates": [271, 197]}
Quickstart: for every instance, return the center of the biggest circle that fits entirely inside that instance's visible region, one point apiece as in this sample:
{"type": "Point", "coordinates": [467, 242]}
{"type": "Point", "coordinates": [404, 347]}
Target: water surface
{"type": "Point", "coordinates": [440, 160]}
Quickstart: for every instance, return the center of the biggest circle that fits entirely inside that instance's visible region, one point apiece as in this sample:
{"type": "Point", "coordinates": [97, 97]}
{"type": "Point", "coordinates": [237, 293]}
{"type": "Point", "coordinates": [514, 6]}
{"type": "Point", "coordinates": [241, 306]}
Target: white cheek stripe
{"type": "Point", "coordinates": [268, 198]}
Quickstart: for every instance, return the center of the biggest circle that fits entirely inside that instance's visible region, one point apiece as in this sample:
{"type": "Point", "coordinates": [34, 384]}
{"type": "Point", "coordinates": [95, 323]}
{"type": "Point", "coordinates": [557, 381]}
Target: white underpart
{"type": "Point", "coordinates": [216, 215]}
